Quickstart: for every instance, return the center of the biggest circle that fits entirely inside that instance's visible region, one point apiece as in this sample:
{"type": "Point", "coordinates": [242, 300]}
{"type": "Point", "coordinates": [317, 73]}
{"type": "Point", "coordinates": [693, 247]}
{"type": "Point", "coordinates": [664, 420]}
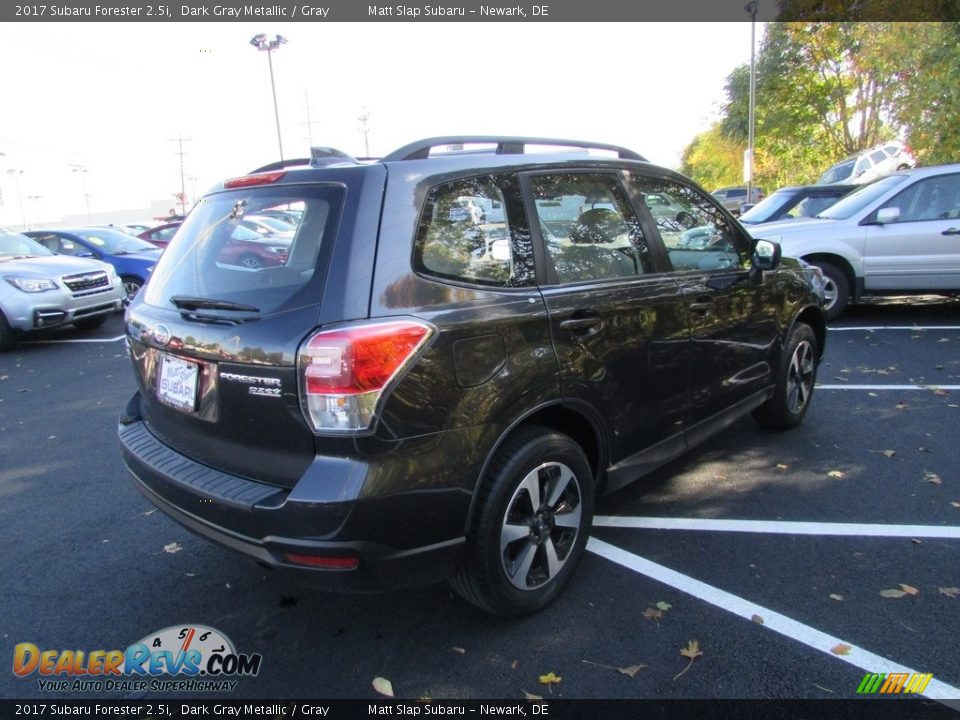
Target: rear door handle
{"type": "Point", "coordinates": [582, 326]}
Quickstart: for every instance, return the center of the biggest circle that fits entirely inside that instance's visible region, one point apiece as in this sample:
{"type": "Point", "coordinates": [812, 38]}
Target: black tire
{"type": "Point", "coordinates": [91, 323]}
{"type": "Point", "coordinates": [836, 289]}
{"type": "Point", "coordinates": [250, 261]}
{"type": "Point", "coordinates": [132, 285]}
{"type": "Point", "coordinates": [8, 340]}
{"type": "Point", "coordinates": [796, 378]}
{"type": "Point", "coordinates": [518, 556]}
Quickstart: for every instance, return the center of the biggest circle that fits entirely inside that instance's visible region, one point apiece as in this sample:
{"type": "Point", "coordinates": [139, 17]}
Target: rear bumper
{"type": "Point", "coordinates": [409, 538]}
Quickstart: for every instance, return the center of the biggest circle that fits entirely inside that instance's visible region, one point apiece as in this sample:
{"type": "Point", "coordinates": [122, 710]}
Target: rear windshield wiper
{"type": "Point", "coordinates": [184, 302]}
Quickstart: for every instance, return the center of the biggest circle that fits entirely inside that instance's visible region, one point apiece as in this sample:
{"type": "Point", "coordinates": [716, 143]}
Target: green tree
{"type": "Point", "coordinates": [713, 159]}
{"type": "Point", "coordinates": [926, 97]}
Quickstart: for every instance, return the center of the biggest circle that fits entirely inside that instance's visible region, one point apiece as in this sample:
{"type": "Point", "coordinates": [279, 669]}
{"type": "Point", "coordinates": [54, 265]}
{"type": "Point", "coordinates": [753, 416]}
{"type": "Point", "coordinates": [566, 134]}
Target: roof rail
{"type": "Point", "coordinates": [506, 145]}
{"type": "Point", "coordinates": [319, 156]}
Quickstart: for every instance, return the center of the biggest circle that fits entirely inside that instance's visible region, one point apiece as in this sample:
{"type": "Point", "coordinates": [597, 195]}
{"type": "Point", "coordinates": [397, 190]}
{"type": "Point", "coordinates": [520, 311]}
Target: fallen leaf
{"type": "Point", "coordinates": [652, 614]}
{"type": "Point", "coordinates": [892, 593]}
{"type": "Point", "coordinates": [872, 394]}
{"type": "Point", "coordinates": [841, 649]}
{"type": "Point", "coordinates": [950, 592]}
{"type": "Point", "coordinates": [940, 391]}
{"type": "Point", "coordinates": [757, 619]}
{"type": "Point", "coordinates": [550, 679]}
{"type": "Point", "coordinates": [932, 477]}
{"type": "Point", "coordinates": [955, 503]}
{"type": "Point", "coordinates": [889, 453]}
{"type": "Point", "coordinates": [835, 474]}
{"type": "Point", "coordinates": [924, 449]}
{"type": "Point", "coordinates": [531, 696]}
{"type": "Point", "coordinates": [838, 598]}
{"type": "Point", "coordinates": [901, 406]}
{"type": "Point", "coordinates": [909, 589]}
{"type": "Point", "coordinates": [916, 541]}
{"type": "Point", "coordinates": [692, 651]}
{"type": "Point", "coordinates": [460, 650]}
{"type": "Point", "coordinates": [514, 664]}
{"type": "Point", "coordinates": [190, 574]}
{"type": "Point", "coordinates": [781, 466]}
{"type": "Point", "coordinates": [148, 513]}
{"type": "Point", "coordinates": [383, 686]}
{"type": "Point", "coordinates": [173, 547]}
{"type": "Point", "coordinates": [663, 606]}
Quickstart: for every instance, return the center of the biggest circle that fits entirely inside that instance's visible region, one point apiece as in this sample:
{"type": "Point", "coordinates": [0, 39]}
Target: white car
{"type": "Point", "coordinates": [869, 165]}
{"type": "Point", "coordinates": [897, 236]}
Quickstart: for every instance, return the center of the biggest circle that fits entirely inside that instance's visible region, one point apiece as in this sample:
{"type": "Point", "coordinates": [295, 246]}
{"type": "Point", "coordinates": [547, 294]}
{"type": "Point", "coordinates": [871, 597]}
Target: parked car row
{"type": "Point", "coordinates": [41, 289]}
{"type": "Point", "coordinates": [40, 267]}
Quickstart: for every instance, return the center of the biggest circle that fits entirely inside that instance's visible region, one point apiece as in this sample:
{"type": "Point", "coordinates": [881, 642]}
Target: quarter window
{"type": "Point", "coordinates": [588, 227]}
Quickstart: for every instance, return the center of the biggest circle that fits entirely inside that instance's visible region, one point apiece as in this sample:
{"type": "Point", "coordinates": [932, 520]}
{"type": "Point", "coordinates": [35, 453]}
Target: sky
{"type": "Point", "coordinates": [92, 111]}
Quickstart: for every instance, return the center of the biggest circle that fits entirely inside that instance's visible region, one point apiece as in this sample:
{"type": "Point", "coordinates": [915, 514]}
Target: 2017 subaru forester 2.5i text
{"type": "Point", "coordinates": [418, 393]}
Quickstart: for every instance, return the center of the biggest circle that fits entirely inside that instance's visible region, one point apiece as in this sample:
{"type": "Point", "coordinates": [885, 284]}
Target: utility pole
{"type": "Point", "coordinates": [82, 169]}
{"type": "Point", "coordinates": [183, 180]}
{"type": "Point", "coordinates": [16, 178]}
{"type": "Point", "coordinates": [364, 119]}
{"type": "Point", "coordinates": [309, 123]}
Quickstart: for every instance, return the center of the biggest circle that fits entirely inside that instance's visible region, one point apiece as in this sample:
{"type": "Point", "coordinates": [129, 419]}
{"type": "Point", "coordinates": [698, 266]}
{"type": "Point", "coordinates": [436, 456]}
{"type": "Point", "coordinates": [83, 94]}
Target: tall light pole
{"type": "Point", "coordinates": [36, 205]}
{"type": "Point", "coordinates": [751, 7]}
{"type": "Point", "coordinates": [260, 42]}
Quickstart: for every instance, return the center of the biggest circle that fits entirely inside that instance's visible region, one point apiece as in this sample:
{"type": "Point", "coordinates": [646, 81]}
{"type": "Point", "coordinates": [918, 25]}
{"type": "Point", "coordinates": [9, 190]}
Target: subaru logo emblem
{"type": "Point", "coordinates": [161, 335]}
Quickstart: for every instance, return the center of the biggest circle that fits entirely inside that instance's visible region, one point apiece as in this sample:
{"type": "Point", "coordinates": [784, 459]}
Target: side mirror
{"type": "Point", "coordinates": [888, 215]}
{"type": "Point", "coordinates": [765, 255]}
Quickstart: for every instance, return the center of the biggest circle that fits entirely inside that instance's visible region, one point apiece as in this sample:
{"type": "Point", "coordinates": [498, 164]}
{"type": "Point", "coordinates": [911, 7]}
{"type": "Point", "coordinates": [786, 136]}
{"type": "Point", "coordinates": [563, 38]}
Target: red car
{"type": "Point", "coordinates": [246, 248]}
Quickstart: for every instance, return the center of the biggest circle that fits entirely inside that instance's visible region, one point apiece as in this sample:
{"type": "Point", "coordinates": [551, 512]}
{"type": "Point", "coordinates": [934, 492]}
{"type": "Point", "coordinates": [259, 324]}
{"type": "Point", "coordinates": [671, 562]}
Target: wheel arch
{"type": "Point", "coordinates": [814, 317]}
{"type": "Point", "coordinates": [577, 420]}
{"type": "Point", "coordinates": [842, 264]}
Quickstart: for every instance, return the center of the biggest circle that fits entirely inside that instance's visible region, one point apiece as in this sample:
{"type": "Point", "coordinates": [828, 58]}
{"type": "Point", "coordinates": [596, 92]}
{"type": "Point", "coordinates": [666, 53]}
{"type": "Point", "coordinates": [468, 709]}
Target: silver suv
{"type": "Point", "coordinates": [40, 289]}
{"type": "Point", "coordinates": [895, 236]}
{"type": "Point", "coordinates": [732, 198]}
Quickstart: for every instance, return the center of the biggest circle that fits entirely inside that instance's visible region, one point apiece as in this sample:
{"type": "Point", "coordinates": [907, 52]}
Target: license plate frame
{"type": "Point", "coordinates": [177, 383]}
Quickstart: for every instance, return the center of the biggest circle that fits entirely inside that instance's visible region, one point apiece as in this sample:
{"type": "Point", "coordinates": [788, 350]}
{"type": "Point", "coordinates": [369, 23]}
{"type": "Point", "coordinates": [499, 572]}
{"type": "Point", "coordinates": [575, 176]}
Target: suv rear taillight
{"type": "Point", "coordinates": [344, 372]}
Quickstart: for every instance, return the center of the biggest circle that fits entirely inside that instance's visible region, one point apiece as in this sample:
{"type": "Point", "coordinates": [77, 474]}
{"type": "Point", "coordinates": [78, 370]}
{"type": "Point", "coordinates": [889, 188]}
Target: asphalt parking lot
{"type": "Point", "coordinates": [773, 552]}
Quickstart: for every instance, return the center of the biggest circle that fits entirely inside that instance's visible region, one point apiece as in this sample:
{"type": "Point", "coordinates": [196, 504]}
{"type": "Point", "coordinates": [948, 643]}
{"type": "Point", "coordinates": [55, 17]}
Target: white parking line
{"type": "Point", "coordinates": [870, 328]}
{"type": "Point", "coordinates": [888, 387]}
{"type": "Point", "coordinates": [811, 637]}
{"type": "Point", "coordinates": [78, 340]}
{"type": "Point", "coordinates": [778, 527]}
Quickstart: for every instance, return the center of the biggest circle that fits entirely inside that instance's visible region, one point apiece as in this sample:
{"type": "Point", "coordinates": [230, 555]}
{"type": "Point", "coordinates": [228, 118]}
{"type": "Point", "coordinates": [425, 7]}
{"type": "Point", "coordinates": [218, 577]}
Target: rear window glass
{"type": "Point", "coordinates": [218, 255]}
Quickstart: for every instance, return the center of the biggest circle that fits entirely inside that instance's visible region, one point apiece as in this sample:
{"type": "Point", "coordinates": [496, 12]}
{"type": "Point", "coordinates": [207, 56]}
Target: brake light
{"type": "Point", "coordinates": [344, 372]}
{"type": "Point", "coordinates": [255, 179]}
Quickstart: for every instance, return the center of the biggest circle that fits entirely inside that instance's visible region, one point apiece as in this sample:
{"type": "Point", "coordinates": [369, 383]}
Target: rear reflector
{"type": "Point", "coordinates": [344, 372]}
{"type": "Point", "coordinates": [256, 179]}
{"type": "Point", "coordinates": [321, 561]}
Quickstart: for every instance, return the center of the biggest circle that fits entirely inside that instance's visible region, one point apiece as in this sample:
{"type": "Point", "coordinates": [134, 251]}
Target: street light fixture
{"type": "Point", "coordinates": [260, 42]}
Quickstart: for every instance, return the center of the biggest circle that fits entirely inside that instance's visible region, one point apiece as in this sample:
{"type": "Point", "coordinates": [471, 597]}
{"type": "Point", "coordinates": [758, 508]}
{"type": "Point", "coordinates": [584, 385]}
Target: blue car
{"type": "Point", "coordinates": [132, 258]}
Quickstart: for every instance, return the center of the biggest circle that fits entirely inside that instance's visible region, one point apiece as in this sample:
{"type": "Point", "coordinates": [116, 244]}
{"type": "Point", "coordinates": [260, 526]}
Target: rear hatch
{"type": "Point", "coordinates": [215, 333]}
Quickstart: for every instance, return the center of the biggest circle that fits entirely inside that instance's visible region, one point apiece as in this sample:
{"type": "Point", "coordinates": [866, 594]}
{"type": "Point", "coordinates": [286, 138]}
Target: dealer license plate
{"type": "Point", "coordinates": [177, 383]}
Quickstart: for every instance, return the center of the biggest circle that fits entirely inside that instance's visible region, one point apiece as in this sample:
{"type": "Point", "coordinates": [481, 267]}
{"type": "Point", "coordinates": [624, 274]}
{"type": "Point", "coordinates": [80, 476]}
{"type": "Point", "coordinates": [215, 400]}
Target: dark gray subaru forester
{"type": "Point", "coordinates": [435, 365]}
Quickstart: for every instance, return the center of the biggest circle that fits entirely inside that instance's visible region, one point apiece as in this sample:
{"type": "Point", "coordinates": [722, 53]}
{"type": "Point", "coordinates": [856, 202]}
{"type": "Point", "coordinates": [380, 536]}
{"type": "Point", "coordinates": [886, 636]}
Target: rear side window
{"type": "Point", "coordinates": [589, 227]}
{"type": "Point", "coordinates": [217, 255]}
{"type": "Point", "coordinates": [465, 234]}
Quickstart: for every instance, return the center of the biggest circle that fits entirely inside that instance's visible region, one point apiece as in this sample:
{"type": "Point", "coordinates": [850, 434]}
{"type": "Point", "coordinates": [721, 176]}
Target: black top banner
{"type": "Point", "coordinates": [478, 11]}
